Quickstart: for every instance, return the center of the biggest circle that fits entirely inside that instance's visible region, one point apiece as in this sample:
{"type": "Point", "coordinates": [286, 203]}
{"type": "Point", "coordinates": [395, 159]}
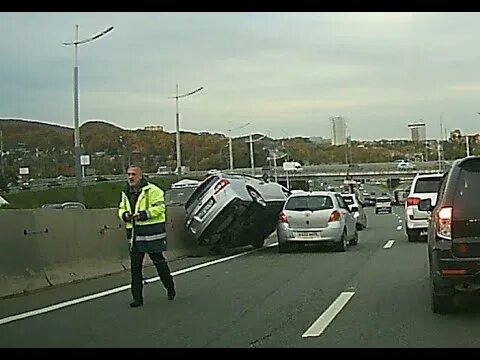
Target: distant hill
{"type": "Point", "coordinates": [43, 146]}
{"type": "Point", "coordinates": [47, 149]}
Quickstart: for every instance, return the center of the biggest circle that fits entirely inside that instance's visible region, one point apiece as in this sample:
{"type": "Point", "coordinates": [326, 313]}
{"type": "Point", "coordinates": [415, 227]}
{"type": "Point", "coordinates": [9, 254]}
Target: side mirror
{"type": "Point", "coordinates": [425, 205]}
{"type": "Point", "coordinates": [354, 209]}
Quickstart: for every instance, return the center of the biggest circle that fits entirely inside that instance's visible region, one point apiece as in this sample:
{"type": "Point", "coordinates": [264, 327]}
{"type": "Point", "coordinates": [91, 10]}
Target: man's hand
{"type": "Point", "coordinates": [136, 216]}
{"type": "Point", "coordinates": [127, 217]}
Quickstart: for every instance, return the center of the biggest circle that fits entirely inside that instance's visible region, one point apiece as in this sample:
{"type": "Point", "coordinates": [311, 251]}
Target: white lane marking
{"type": "Point", "coordinates": [317, 328]}
{"type": "Point", "coordinates": [389, 244]}
{"type": "Point", "coordinates": [399, 220]}
{"type": "Point", "coordinates": [61, 305]}
{"type": "Point", "coordinates": [399, 227]}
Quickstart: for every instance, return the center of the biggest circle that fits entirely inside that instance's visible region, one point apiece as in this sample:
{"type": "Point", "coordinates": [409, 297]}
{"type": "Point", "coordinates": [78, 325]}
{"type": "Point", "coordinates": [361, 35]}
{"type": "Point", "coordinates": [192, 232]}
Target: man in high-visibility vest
{"type": "Point", "coordinates": [142, 208]}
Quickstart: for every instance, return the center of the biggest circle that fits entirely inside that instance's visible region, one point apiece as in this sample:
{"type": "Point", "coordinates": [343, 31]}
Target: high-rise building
{"type": "Point", "coordinates": [339, 130]}
{"type": "Point", "coordinates": [418, 131]}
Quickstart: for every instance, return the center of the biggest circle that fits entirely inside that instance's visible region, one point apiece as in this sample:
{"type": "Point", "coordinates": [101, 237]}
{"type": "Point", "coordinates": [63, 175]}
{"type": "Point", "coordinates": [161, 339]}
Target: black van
{"type": "Point", "coordinates": [454, 234]}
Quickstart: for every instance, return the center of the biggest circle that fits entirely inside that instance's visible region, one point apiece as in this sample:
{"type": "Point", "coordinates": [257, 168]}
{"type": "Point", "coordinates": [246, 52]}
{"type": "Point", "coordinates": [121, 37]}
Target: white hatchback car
{"type": "Point", "coordinates": [423, 187]}
{"type": "Point", "coordinates": [316, 217]}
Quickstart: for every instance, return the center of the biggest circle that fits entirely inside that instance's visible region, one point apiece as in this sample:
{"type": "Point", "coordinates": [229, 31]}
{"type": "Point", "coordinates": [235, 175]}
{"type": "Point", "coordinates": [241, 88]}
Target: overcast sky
{"type": "Point", "coordinates": [285, 73]}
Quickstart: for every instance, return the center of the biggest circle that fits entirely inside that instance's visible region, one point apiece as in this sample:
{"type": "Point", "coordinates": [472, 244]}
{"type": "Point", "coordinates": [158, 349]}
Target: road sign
{"type": "Point", "coordinates": [84, 160]}
{"type": "Point", "coordinates": [24, 171]}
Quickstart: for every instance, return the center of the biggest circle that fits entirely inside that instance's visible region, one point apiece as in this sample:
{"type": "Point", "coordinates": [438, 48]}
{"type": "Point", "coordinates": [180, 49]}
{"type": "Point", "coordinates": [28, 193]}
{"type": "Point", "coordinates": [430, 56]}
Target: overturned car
{"type": "Point", "coordinates": [231, 210]}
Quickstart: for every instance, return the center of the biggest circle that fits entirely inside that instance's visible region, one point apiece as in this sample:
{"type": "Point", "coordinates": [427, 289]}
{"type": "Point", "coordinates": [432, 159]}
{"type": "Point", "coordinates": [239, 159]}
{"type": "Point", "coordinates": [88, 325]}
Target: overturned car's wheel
{"type": "Point", "coordinates": [256, 197]}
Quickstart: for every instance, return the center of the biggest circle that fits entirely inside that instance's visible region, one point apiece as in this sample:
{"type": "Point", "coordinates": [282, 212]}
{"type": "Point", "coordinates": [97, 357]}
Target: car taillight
{"type": "Point", "coordinates": [413, 201]}
{"type": "Point", "coordinates": [283, 218]}
{"type": "Point", "coordinates": [443, 221]}
{"type": "Point", "coordinates": [221, 185]}
{"type": "Point", "coordinates": [334, 216]}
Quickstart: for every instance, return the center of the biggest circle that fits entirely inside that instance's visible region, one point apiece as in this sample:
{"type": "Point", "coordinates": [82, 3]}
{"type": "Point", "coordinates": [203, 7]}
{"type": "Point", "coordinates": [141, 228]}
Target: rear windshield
{"type": "Point", "coordinates": [427, 185]}
{"type": "Point", "coordinates": [467, 194]}
{"type": "Point", "coordinates": [201, 190]}
{"type": "Point", "coordinates": [312, 203]}
{"type": "Point", "coordinates": [383, 200]}
{"type": "Point", "coordinates": [348, 199]}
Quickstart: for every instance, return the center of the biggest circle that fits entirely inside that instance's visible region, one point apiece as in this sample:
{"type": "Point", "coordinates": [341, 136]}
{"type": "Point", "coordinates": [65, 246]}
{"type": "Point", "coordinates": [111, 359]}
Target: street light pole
{"type": "Point", "coordinates": [177, 127]}
{"type": "Point", "coordinates": [252, 160]}
{"type": "Point", "coordinates": [467, 145]}
{"type": "Point", "coordinates": [78, 168]}
{"type": "Point", "coordinates": [1, 153]}
{"type": "Point", "coordinates": [230, 151]}
{"type": "Point", "coordinates": [230, 147]}
{"type": "Point", "coordinates": [177, 136]}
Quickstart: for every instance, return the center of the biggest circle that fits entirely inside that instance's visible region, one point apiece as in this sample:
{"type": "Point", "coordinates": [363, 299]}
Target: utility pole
{"type": "Point", "coordinates": [230, 151]}
{"type": "Point", "coordinates": [1, 153]}
{"type": "Point", "coordinates": [441, 126]}
{"type": "Point", "coordinates": [467, 145]}
{"type": "Point", "coordinates": [177, 127]}
{"type": "Point", "coordinates": [275, 165]}
{"type": "Point", "coordinates": [439, 152]}
{"type": "Point", "coordinates": [439, 144]}
{"type": "Point", "coordinates": [77, 147]}
{"type": "Point", "coordinates": [252, 160]}
{"type": "Point", "coordinates": [230, 147]}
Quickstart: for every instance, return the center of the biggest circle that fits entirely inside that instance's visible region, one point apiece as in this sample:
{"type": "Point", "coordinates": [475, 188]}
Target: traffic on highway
{"type": "Point", "coordinates": [374, 294]}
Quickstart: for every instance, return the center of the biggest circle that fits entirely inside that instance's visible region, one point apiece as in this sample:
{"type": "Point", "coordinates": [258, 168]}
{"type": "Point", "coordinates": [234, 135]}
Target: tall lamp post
{"type": "Point", "coordinates": [78, 168]}
{"type": "Point", "coordinates": [252, 160]}
{"type": "Point", "coordinates": [230, 147]}
{"type": "Point", "coordinates": [177, 127]}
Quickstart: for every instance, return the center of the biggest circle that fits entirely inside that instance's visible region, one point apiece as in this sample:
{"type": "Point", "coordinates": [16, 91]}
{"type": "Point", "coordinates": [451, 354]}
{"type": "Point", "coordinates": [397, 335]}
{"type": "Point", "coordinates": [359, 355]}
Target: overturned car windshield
{"type": "Point", "coordinates": [313, 203]}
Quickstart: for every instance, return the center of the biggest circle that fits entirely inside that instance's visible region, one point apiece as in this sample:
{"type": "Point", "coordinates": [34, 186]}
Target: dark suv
{"type": "Point", "coordinates": [454, 234]}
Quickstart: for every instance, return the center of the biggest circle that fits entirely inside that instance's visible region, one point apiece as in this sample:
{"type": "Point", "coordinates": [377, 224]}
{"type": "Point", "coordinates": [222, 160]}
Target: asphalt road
{"type": "Point", "coordinates": [376, 294]}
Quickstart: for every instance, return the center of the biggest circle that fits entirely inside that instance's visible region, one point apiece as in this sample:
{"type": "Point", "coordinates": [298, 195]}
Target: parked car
{"type": "Point", "coordinates": [65, 205]}
{"type": "Point", "coordinates": [383, 204]}
{"type": "Point", "coordinates": [101, 178]}
{"type": "Point", "coordinates": [416, 220]}
{"type": "Point", "coordinates": [231, 210]}
{"type": "Point", "coordinates": [185, 183]}
{"type": "Point", "coordinates": [316, 217]}
{"type": "Point", "coordinates": [213, 172]}
{"type": "Point", "coordinates": [54, 183]}
{"type": "Point", "coordinates": [406, 165]}
{"type": "Point", "coordinates": [356, 207]}
{"type": "Point", "coordinates": [454, 234]}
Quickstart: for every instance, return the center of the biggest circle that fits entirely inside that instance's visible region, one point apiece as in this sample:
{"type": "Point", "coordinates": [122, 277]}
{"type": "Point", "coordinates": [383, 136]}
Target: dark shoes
{"type": "Point", "coordinates": [136, 303]}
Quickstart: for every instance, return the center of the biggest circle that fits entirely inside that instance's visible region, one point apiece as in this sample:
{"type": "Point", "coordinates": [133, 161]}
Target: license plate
{"type": "Point", "coordinates": [307, 234]}
{"type": "Point", "coordinates": [422, 233]}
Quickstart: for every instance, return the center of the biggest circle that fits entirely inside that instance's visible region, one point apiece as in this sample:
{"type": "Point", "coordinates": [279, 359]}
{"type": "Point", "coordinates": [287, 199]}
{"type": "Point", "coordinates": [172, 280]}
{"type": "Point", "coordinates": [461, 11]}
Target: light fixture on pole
{"type": "Point", "coordinates": [78, 169]}
{"type": "Point", "coordinates": [252, 160]}
{"type": "Point", "coordinates": [230, 147]}
{"type": "Point", "coordinates": [177, 127]}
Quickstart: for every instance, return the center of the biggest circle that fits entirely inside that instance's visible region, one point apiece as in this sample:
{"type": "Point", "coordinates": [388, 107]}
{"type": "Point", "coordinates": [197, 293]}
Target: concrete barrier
{"type": "Point", "coordinates": [21, 265]}
{"type": "Point", "coordinates": [46, 247]}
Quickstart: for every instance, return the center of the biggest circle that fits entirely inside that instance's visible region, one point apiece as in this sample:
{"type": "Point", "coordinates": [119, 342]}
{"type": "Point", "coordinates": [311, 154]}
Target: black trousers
{"type": "Point", "coordinates": [136, 270]}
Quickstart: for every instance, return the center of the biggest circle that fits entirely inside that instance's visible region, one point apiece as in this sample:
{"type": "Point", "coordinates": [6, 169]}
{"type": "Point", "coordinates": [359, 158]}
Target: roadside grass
{"type": "Point", "coordinates": [96, 196]}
